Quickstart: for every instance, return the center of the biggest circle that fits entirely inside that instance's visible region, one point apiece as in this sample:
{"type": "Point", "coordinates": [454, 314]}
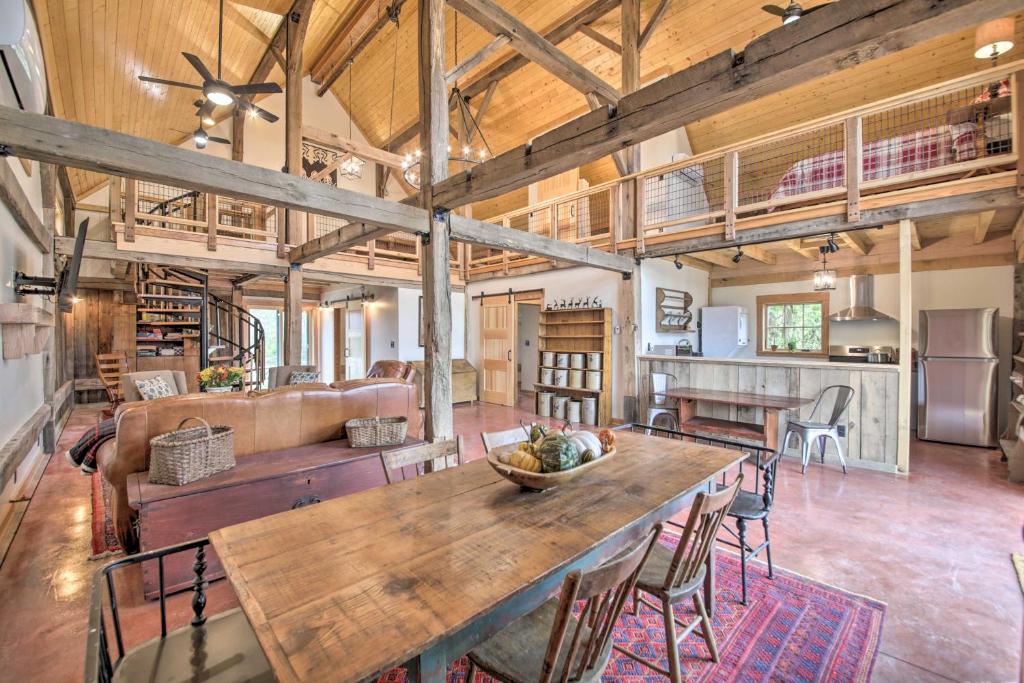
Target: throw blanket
{"type": "Point", "coordinates": [83, 453]}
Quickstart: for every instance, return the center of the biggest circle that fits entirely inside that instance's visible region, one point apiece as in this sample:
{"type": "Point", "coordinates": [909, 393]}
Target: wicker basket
{"type": "Point", "coordinates": [185, 455]}
{"type": "Point", "coordinates": [365, 432]}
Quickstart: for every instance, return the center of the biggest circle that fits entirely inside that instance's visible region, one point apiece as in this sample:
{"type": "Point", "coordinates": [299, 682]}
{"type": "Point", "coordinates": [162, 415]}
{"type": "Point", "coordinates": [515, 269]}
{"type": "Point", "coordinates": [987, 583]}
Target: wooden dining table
{"type": "Point", "coordinates": [767, 433]}
{"type": "Point", "coordinates": [422, 571]}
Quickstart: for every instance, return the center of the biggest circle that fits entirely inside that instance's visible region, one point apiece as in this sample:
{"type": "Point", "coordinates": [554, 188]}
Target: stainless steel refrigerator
{"type": "Point", "coordinates": [958, 370]}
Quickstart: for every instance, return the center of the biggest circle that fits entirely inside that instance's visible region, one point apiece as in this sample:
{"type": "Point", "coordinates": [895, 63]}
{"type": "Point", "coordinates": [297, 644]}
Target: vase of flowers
{"type": "Point", "coordinates": [219, 378]}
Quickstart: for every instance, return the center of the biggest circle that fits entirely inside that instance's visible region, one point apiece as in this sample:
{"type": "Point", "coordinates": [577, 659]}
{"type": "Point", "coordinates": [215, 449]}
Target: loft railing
{"type": "Point", "coordinates": [948, 132]}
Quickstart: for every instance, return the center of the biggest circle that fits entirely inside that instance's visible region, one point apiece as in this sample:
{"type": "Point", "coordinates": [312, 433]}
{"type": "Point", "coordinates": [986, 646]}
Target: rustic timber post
{"type": "Point", "coordinates": [437, 285]}
{"type": "Point", "coordinates": [631, 68]}
{"type": "Point", "coordinates": [293, 316]}
{"type": "Point", "coordinates": [1018, 126]}
{"type": "Point", "coordinates": [130, 200]}
{"type": "Point", "coordinates": [238, 134]}
{"type": "Point", "coordinates": [903, 425]}
{"type": "Point", "coordinates": [854, 166]}
{"type": "Point", "coordinates": [296, 22]}
{"type": "Point", "coordinates": [48, 186]}
{"type": "Point", "coordinates": [732, 192]}
{"type": "Point", "coordinates": [211, 221]}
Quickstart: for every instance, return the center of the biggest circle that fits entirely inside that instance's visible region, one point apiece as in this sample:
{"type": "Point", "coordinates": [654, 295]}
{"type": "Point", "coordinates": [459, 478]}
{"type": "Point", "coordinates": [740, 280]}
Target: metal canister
{"type": "Point", "coordinates": [593, 361]}
{"type": "Point", "coordinates": [547, 359]}
{"type": "Point", "coordinates": [547, 376]}
{"type": "Point", "coordinates": [576, 379]}
{"type": "Point", "coordinates": [576, 360]}
{"type": "Point", "coordinates": [589, 413]}
{"type": "Point", "coordinates": [562, 360]}
{"type": "Point", "coordinates": [544, 403]}
{"type": "Point", "coordinates": [558, 407]}
{"type": "Point", "coordinates": [561, 377]}
{"type": "Point", "coordinates": [594, 380]}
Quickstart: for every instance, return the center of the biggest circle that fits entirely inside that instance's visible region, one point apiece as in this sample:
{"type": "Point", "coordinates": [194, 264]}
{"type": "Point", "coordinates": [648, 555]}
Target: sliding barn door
{"type": "Point", "coordinates": [498, 350]}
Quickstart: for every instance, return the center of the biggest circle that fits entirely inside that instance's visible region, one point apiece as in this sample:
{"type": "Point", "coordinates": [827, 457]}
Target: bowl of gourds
{"type": "Point", "coordinates": [552, 456]}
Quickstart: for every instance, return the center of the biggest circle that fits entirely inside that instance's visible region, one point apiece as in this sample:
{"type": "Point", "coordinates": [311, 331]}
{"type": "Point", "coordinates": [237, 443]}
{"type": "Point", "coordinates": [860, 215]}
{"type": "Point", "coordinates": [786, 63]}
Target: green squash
{"type": "Point", "coordinates": [588, 456]}
{"type": "Point", "coordinates": [537, 432]}
{"type": "Point", "coordinates": [557, 454]}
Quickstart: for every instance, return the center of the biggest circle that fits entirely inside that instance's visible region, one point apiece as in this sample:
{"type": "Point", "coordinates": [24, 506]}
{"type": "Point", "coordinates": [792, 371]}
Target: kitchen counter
{"type": "Point", "coordinates": [778, 362]}
{"type": "Point", "coordinates": [869, 424]}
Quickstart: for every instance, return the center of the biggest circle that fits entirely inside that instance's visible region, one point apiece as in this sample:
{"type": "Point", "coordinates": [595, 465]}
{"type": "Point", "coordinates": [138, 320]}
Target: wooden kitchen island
{"type": "Point", "coordinates": [869, 424]}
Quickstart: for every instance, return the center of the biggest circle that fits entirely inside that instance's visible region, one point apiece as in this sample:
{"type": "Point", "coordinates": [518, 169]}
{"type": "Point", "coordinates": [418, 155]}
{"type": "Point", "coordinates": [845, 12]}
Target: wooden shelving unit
{"type": "Point", "coordinates": [579, 330]}
{"type": "Point", "coordinates": [176, 317]}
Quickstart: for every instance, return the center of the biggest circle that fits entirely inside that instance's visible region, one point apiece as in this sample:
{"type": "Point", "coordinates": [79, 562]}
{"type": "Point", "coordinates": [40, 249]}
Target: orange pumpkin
{"type": "Point", "coordinates": [607, 439]}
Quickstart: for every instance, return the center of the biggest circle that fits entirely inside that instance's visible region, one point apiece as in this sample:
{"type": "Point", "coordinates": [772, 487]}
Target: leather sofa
{"type": "Point", "coordinates": [277, 420]}
{"type": "Point", "coordinates": [175, 380]}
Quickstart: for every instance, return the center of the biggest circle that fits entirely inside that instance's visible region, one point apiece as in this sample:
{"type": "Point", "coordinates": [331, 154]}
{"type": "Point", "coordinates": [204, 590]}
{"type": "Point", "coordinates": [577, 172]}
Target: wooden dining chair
{"type": "Point", "coordinates": [493, 440]}
{"type": "Point", "coordinates": [674, 576]}
{"type": "Point", "coordinates": [418, 457]}
{"type": "Point", "coordinates": [110, 367]}
{"type": "Point", "coordinates": [574, 648]}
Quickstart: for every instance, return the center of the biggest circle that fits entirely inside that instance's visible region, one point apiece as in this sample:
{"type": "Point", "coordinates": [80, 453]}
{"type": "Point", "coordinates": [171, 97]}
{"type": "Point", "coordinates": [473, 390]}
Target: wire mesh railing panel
{"type": "Point", "coordinates": [323, 225]}
{"type": "Point", "coordinates": [537, 222]}
{"type": "Point", "coordinates": [166, 206]}
{"type": "Point", "coordinates": [946, 129]}
{"type": "Point", "coordinates": [690, 191]}
{"type": "Point", "coordinates": [397, 246]}
{"type": "Point", "coordinates": [246, 220]}
{"type": "Point", "coordinates": [584, 218]}
{"type": "Point", "coordinates": [811, 161]}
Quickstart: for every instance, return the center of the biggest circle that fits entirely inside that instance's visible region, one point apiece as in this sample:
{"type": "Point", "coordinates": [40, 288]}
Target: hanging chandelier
{"type": "Point", "coordinates": [351, 167]}
{"type": "Point", "coordinates": [824, 279]}
{"type": "Point", "coordinates": [465, 122]}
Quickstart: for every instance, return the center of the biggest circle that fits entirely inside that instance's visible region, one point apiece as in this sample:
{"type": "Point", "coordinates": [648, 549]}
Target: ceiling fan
{"type": "Point", "coordinates": [791, 12]}
{"type": "Point", "coordinates": [215, 89]}
{"type": "Point", "coordinates": [199, 136]}
{"type": "Point", "coordinates": [204, 110]}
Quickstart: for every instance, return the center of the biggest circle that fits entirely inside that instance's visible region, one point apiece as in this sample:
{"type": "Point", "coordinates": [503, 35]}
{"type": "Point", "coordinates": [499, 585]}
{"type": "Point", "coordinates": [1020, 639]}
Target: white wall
{"type": "Point", "coordinates": [326, 344]}
{"type": "Point", "coordinates": [961, 288]}
{"type": "Point", "coordinates": [662, 273]}
{"type": "Point", "coordinates": [382, 318]}
{"type": "Point", "coordinates": [22, 378]}
{"type": "Point", "coordinates": [526, 341]}
{"type": "Point", "coordinates": [408, 320]}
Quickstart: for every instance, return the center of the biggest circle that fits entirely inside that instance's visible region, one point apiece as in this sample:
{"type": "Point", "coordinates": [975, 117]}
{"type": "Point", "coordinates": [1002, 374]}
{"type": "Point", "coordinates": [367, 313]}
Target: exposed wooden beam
{"type": "Point", "coordinates": [336, 241]}
{"type": "Point", "coordinates": [343, 28]}
{"type": "Point", "coordinates": [14, 198]}
{"type": "Point", "coordinates": [600, 38]}
{"type": "Point", "coordinates": [438, 421]}
{"type": "Point", "coordinates": [103, 151]}
{"type": "Point", "coordinates": [797, 246]}
{"type": "Point", "coordinates": [906, 337]}
{"type": "Point", "coordinates": [296, 24]}
{"type": "Point", "coordinates": [354, 51]}
{"type": "Point", "coordinates": [631, 69]}
{"type": "Point", "coordinates": [835, 37]}
{"type": "Point", "coordinates": [482, 110]}
{"type": "Point", "coordinates": [293, 316]}
{"type": "Point", "coordinates": [346, 145]}
{"type": "Point", "coordinates": [759, 254]}
{"type": "Point", "coordinates": [527, 42]}
{"type": "Point", "coordinates": [460, 70]}
{"type": "Point", "coordinates": [984, 223]}
{"type": "Point", "coordinates": [857, 241]}
{"type": "Point", "coordinates": [718, 258]}
{"type": "Point", "coordinates": [915, 237]}
{"type": "Point", "coordinates": [576, 17]}
{"type": "Point", "coordinates": [972, 202]}
{"type": "Point", "coordinates": [618, 158]}
{"type": "Point", "coordinates": [652, 23]}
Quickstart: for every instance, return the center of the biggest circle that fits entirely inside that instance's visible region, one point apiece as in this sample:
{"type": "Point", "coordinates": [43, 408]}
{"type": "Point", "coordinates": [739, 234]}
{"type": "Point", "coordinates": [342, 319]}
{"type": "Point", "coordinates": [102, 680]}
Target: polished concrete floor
{"type": "Point", "coordinates": [934, 545]}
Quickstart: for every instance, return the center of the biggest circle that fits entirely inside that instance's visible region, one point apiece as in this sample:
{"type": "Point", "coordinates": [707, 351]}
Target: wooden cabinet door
{"type": "Point", "coordinates": [498, 350]}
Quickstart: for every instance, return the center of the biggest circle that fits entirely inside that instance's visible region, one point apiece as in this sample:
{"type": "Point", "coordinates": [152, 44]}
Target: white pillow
{"type": "Point", "coordinates": [299, 377]}
{"type": "Point", "coordinates": [154, 387]}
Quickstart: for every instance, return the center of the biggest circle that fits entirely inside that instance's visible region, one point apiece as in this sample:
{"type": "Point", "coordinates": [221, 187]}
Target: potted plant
{"type": "Point", "coordinates": [791, 345]}
{"type": "Point", "coordinates": [218, 378]}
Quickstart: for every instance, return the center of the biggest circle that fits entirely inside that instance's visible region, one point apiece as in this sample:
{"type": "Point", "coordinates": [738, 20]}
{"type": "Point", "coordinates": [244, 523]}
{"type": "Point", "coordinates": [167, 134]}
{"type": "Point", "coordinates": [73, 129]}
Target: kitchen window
{"type": "Point", "coordinates": [793, 325]}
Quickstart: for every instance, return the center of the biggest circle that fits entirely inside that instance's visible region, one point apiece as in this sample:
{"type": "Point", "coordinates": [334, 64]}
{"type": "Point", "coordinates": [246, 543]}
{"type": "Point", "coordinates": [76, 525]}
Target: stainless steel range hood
{"type": "Point", "coordinates": [862, 301]}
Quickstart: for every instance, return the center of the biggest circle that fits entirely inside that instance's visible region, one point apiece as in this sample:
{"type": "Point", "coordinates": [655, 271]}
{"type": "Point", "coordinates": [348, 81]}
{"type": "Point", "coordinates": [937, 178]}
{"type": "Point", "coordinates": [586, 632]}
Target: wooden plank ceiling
{"type": "Point", "coordinates": [95, 49]}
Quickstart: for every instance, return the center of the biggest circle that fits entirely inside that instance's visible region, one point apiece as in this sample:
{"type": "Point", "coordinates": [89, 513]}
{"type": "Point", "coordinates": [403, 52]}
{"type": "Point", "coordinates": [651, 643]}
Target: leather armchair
{"type": "Point", "coordinates": [392, 368]}
{"type": "Point", "coordinates": [263, 422]}
{"type": "Point", "coordinates": [279, 376]}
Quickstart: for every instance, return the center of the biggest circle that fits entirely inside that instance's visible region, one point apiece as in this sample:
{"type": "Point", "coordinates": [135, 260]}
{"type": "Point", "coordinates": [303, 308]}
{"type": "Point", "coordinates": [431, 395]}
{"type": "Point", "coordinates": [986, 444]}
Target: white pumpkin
{"type": "Point", "coordinates": [586, 441]}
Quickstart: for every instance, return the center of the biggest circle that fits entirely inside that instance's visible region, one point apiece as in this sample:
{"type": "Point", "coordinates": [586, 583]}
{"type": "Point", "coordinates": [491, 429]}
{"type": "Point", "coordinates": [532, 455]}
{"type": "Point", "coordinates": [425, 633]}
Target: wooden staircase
{"type": "Point", "coordinates": [227, 334]}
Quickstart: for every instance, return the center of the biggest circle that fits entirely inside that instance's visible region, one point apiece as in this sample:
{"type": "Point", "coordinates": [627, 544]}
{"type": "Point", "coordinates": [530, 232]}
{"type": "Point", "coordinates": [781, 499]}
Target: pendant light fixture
{"type": "Point", "coordinates": [465, 121]}
{"type": "Point", "coordinates": [824, 279]}
{"type": "Point", "coordinates": [352, 166]}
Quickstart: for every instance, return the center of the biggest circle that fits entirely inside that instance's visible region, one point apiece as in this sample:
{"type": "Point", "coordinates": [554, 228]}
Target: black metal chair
{"type": "Point", "coordinates": [749, 506]}
{"type": "Point", "coordinates": [221, 647]}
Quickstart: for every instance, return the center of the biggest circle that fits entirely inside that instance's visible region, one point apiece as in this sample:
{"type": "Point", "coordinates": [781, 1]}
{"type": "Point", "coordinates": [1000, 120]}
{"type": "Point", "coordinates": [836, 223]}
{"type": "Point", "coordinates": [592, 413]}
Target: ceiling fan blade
{"type": "Point", "coordinates": [198, 65]}
{"type": "Point", "coordinates": [220, 140]}
{"type": "Point", "coordinates": [816, 7]}
{"type": "Point", "coordinates": [256, 89]}
{"type": "Point", "coordinates": [774, 9]}
{"type": "Point", "coordinates": [164, 81]}
{"type": "Point", "coordinates": [264, 114]}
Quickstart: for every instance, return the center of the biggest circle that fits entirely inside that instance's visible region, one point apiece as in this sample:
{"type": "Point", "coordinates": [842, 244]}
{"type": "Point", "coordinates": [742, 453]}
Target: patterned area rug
{"type": "Point", "coordinates": [794, 629]}
{"type": "Point", "coordinates": [104, 542]}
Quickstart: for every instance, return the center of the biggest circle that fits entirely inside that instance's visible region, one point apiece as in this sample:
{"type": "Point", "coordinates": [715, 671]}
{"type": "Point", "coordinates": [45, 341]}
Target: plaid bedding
{"type": "Point", "coordinates": [83, 453]}
{"type": "Point", "coordinates": [917, 151]}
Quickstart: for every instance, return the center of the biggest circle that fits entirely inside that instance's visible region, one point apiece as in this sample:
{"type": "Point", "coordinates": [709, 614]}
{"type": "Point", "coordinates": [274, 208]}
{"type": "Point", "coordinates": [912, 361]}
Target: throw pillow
{"type": "Point", "coordinates": [155, 387]}
{"type": "Point", "coordinates": [304, 378]}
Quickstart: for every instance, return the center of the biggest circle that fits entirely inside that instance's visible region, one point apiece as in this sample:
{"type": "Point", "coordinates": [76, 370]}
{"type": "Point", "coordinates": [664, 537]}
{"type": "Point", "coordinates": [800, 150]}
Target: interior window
{"type": "Point", "coordinates": [793, 324]}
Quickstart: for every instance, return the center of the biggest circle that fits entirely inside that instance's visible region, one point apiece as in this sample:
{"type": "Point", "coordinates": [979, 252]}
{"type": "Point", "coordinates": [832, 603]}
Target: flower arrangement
{"type": "Point", "coordinates": [220, 376]}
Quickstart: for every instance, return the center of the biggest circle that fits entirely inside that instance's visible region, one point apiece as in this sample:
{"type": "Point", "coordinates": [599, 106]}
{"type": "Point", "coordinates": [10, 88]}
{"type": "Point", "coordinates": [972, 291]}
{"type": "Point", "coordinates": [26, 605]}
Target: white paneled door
{"type": "Point", "coordinates": [498, 350]}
